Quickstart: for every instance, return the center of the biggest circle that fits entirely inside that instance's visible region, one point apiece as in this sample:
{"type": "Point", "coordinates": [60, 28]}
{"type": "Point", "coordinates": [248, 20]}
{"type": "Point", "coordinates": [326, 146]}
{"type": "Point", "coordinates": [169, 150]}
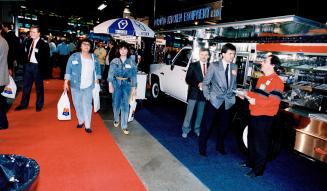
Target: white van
{"type": "Point", "coordinates": [170, 78]}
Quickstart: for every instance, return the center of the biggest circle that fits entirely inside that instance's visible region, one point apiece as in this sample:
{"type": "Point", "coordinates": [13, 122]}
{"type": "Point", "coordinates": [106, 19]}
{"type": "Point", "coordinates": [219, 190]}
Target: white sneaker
{"type": "Point", "coordinates": [125, 131]}
{"type": "Point", "coordinates": [184, 135]}
{"type": "Point", "coordinates": [116, 123]}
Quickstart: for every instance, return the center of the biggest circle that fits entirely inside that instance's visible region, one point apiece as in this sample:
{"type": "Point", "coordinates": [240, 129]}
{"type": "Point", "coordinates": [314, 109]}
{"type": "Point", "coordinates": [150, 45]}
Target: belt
{"type": "Point", "coordinates": [121, 78]}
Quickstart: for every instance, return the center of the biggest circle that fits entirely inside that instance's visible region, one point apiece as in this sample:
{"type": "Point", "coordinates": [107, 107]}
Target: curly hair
{"type": "Point", "coordinates": [79, 46]}
{"type": "Point", "coordinates": [123, 44]}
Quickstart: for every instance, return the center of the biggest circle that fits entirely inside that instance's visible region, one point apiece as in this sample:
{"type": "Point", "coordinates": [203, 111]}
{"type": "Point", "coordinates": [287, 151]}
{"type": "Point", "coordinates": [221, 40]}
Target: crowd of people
{"type": "Point", "coordinates": [39, 55]}
{"type": "Point", "coordinates": [212, 87]}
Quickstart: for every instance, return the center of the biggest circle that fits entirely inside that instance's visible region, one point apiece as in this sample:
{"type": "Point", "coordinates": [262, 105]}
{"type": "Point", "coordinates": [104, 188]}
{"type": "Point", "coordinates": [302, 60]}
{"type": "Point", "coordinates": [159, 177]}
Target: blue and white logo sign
{"type": "Point", "coordinates": [124, 26]}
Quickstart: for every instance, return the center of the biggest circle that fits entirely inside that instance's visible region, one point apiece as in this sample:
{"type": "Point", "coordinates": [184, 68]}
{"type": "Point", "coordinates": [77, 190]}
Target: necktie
{"type": "Point", "coordinates": [204, 69]}
{"type": "Point", "coordinates": [31, 50]}
{"type": "Point", "coordinates": [226, 74]}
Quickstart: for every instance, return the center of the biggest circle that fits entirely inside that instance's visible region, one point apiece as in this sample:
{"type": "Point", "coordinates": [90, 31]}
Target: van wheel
{"type": "Point", "coordinates": [245, 137]}
{"type": "Point", "coordinates": [155, 90]}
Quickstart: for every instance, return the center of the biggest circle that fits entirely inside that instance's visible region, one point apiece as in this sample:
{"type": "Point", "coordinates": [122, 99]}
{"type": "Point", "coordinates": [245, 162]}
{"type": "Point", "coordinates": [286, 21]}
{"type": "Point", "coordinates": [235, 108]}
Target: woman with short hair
{"type": "Point", "coordinates": [82, 71]}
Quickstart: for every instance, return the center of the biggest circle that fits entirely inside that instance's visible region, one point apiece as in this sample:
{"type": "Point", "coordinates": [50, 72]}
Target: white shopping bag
{"type": "Point", "coordinates": [10, 89]}
{"type": "Point", "coordinates": [96, 97]}
{"type": "Point", "coordinates": [132, 107]}
{"type": "Point", "coordinates": [63, 107]}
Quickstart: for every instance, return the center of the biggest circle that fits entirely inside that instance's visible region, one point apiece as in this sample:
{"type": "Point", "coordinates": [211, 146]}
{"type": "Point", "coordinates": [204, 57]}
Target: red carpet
{"type": "Point", "coordinates": [69, 158]}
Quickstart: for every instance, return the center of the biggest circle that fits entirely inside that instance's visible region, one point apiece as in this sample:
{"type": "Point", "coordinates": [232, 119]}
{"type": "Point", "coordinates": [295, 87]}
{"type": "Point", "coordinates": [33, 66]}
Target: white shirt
{"type": "Point", "coordinates": [87, 74]}
{"type": "Point", "coordinates": [53, 48]}
{"type": "Point", "coordinates": [225, 66]}
{"type": "Point", "coordinates": [33, 58]}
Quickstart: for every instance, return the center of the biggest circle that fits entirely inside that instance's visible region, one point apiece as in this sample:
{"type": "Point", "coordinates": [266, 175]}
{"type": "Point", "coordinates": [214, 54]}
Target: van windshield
{"type": "Point", "coordinates": [183, 57]}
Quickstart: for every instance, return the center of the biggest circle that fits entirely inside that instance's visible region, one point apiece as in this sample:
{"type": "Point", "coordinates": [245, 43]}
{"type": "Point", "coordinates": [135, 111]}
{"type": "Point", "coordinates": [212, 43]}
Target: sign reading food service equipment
{"type": "Point", "coordinates": [207, 12]}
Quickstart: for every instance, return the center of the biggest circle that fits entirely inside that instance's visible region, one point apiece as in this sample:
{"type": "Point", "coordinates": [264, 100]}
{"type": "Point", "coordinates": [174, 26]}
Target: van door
{"type": "Point", "coordinates": [177, 73]}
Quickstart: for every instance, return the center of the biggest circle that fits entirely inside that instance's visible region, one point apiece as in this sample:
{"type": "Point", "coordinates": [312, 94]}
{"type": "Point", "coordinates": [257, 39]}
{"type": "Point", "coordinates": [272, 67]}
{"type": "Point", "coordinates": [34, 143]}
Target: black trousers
{"type": "Point", "coordinates": [259, 142]}
{"type": "Point", "coordinates": [207, 125]}
{"type": "Point", "coordinates": [3, 106]}
{"type": "Point", "coordinates": [62, 64]}
{"type": "Point", "coordinates": [32, 73]}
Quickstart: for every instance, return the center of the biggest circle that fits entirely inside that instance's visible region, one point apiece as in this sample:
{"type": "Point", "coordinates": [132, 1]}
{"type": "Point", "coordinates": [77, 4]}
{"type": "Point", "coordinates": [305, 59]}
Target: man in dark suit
{"type": "Point", "coordinates": [218, 86]}
{"type": "Point", "coordinates": [37, 54]}
{"type": "Point", "coordinates": [194, 77]}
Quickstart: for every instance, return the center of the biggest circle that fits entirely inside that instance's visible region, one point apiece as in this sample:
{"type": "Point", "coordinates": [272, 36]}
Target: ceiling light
{"type": "Point", "coordinates": [23, 7]}
{"type": "Point", "coordinates": [102, 6]}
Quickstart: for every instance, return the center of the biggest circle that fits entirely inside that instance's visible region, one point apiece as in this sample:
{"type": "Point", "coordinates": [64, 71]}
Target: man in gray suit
{"type": "Point", "coordinates": [218, 86]}
{"type": "Point", "coordinates": [4, 80]}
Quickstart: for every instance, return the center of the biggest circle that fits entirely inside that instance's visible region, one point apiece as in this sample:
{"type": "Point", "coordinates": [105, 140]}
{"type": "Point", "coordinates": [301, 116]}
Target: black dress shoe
{"type": "Point", "coordinates": [1, 128]}
{"type": "Point", "coordinates": [20, 107]}
{"type": "Point", "coordinates": [221, 151]}
{"type": "Point", "coordinates": [245, 165]}
{"type": "Point", "coordinates": [203, 153]}
{"type": "Point", "coordinates": [88, 130]}
{"type": "Point", "coordinates": [38, 109]}
{"type": "Point", "coordinates": [253, 174]}
{"type": "Point", "coordinates": [80, 125]}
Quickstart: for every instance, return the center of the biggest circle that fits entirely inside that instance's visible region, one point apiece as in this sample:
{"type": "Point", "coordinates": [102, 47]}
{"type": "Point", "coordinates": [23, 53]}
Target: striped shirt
{"type": "Point", "coordinates": [267, 95]}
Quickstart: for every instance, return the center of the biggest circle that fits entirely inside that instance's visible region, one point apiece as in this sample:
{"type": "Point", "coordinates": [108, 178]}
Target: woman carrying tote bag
{"type": "Point", "coordinates": [83, 71]}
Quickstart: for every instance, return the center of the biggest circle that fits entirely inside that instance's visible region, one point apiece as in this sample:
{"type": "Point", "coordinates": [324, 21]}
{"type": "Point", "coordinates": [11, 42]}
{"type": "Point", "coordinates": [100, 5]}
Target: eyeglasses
{"type": "Point", "coordinates": [86, 44]}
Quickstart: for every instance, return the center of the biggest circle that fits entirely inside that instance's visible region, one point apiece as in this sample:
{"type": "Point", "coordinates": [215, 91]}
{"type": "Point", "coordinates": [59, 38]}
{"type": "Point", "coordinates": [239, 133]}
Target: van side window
{"type": "Point", "coordinates": [183, 58]}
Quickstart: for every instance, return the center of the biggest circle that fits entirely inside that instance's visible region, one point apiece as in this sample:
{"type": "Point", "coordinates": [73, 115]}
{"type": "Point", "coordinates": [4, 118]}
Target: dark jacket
{"type": "Point", "coordinates": [193, 78]}
{"type": "Point", "coordinates": [15, 48]}
{"type": "Point", "coordinates": [42, 56]}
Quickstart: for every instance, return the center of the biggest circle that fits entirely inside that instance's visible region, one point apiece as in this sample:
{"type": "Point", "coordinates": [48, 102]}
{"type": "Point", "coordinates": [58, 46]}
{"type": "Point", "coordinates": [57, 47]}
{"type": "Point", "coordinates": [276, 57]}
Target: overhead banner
{"type": "Point", "coordinates": [210, 12]}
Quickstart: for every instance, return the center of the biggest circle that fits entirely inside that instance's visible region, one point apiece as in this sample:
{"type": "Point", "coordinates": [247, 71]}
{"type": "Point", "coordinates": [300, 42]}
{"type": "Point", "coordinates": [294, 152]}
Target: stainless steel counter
{"type": "Point", "coordinates": [311, 135]}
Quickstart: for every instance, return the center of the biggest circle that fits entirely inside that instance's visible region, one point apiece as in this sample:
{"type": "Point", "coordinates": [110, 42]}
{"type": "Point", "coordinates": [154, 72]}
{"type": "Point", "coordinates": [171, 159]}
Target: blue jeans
{"type": "Point", "coordinates": [82, 99]}
{"type": "Point", "coordinates": [189, 113]}
{"type": "Point", "coordinates": [122, 90]}
{"type": "Point", "coordinates": [102, 69]}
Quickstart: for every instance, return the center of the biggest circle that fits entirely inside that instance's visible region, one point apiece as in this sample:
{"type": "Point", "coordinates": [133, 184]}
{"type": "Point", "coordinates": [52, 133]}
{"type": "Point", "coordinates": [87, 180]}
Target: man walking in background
{"type": "Point", "coordinates": [63, 55]}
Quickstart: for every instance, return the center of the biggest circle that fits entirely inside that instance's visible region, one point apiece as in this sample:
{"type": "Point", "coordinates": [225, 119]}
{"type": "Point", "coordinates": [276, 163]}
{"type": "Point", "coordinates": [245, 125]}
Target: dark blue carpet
{"type": "Point", "coordinates": [288, 171]}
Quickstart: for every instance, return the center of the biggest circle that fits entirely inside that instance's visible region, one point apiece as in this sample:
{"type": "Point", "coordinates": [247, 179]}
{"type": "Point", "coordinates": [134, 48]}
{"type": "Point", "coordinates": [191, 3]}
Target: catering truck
{"type": "Point", "coordinates": [301, 44]}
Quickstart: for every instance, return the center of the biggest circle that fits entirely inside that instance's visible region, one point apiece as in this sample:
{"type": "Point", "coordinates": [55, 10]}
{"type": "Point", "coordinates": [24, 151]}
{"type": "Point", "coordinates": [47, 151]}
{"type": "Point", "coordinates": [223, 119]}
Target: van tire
{"type": "Point", "coordinates": [155, 90]}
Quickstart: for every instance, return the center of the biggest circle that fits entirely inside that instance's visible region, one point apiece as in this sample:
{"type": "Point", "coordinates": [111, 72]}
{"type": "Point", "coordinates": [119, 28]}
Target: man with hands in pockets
{"type": "Point", "coordinates": [218, 88]}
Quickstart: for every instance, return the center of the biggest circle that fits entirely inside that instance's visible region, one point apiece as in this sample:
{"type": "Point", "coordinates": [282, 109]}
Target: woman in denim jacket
{"type": "Point", "coordinates": [122, 84]}
{"type": "Point", "coordinates": [81, 69]}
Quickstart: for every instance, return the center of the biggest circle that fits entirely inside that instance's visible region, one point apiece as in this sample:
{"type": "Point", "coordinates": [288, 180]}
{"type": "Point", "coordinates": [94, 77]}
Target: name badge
{"type": "Point", "coordinates": [36, 50]}
{"type": "Point", "coordinates": [128, 66]}
{"type": "Point", "coordinates": [262, 87]}
{"type": "Point", "coordinates": [74, 62]}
